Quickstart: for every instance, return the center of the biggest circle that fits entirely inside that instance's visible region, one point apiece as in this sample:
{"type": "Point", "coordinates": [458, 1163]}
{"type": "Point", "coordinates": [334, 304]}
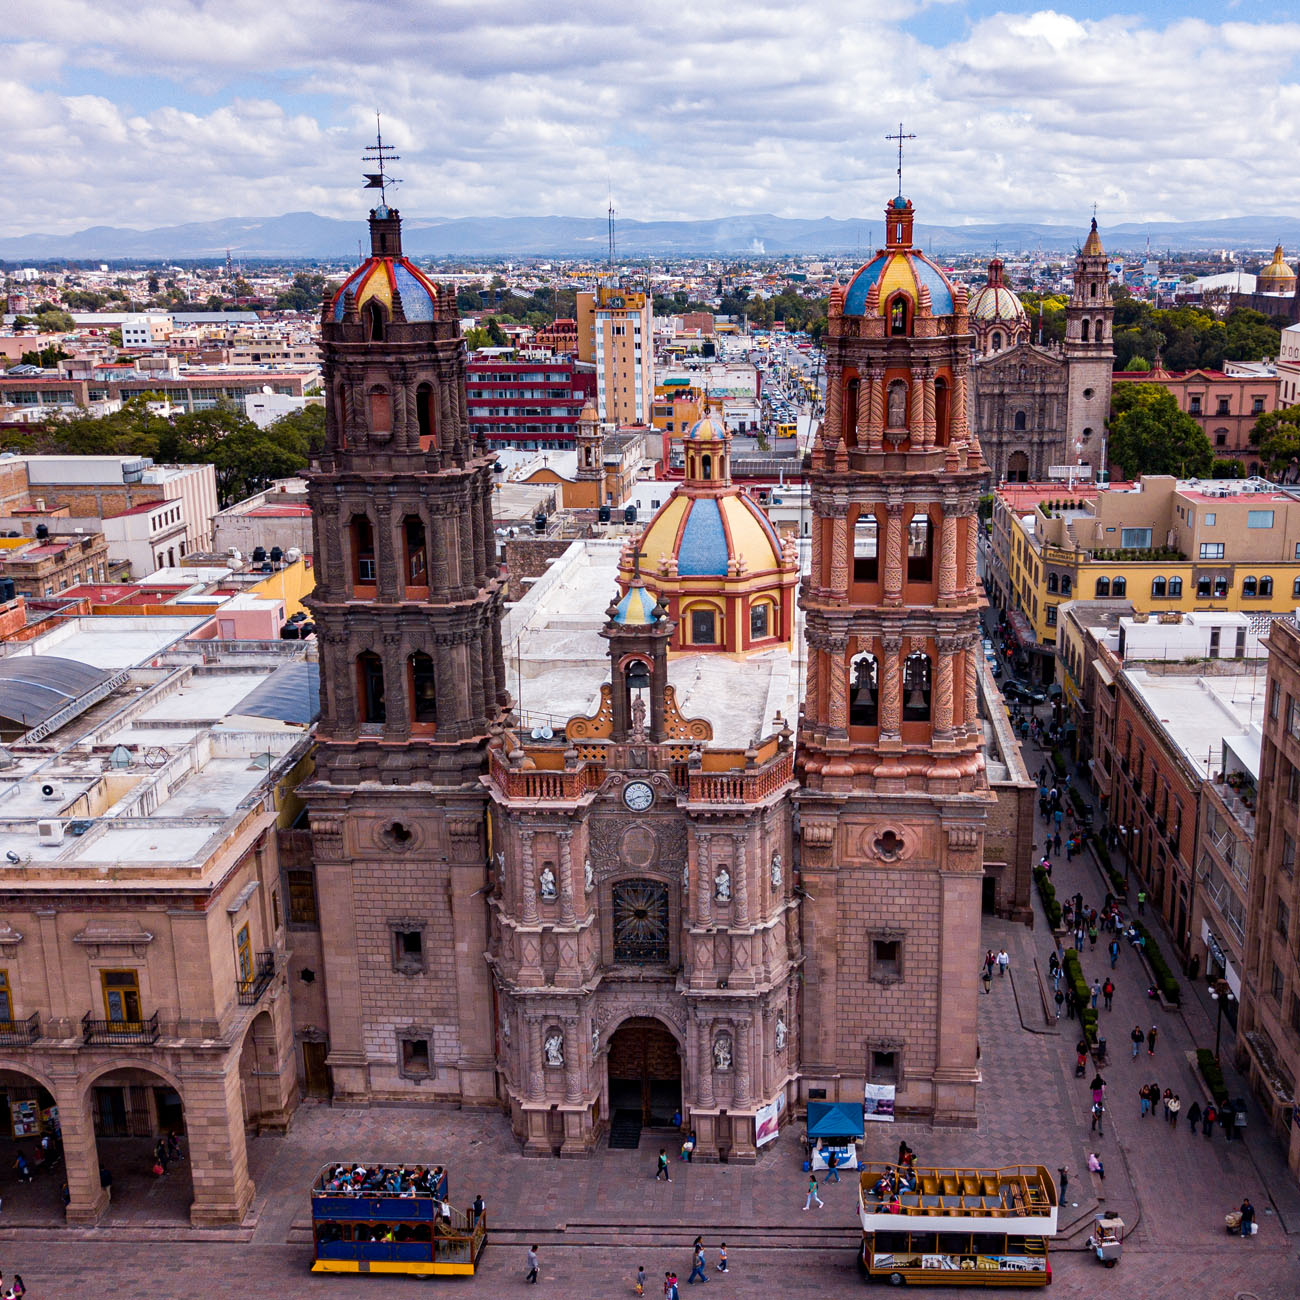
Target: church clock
{"type": "Point", "coordinates": [638, 796]}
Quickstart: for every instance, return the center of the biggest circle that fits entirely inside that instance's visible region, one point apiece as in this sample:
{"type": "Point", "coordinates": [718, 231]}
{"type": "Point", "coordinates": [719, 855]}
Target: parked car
{"type": "Point", "coordinates": [1016, 690]}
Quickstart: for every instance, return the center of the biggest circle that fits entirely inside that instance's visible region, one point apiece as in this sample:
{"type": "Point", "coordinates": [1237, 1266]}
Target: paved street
{"type": "Point", "coordinates": [595, 1220]}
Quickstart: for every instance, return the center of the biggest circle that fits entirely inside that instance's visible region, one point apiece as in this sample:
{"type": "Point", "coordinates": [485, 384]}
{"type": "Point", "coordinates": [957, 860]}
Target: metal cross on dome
{"type": "Point", "coordinates": [380, 153]}
{"type": "Point", "coordinates": [900, 137]}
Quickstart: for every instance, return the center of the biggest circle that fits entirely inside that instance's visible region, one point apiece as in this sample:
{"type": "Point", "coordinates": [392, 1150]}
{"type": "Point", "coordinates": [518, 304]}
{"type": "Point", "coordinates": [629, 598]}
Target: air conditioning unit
{"type": "Point", "coordinates": [50, 791]}
{"type": "Point", "coordinates": [49, 833]}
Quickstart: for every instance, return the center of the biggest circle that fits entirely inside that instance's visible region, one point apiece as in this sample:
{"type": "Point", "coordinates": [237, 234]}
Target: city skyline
{"type": "Point", "coordinates": [185, 111]}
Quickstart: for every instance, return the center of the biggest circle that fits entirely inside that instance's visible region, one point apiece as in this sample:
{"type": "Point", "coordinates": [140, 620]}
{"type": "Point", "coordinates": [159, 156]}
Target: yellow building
{"type": "Point", "coordinates": [678, 404]}
{"type": "Point", "coordinates": [615, 333]}
{"type": "Point", "coordinates": [1161, 544]}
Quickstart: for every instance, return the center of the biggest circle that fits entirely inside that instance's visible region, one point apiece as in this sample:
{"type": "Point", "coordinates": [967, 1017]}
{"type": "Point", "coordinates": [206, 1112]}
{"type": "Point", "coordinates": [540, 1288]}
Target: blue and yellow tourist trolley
{"type": "Point", "coordinates": [375, 1229]}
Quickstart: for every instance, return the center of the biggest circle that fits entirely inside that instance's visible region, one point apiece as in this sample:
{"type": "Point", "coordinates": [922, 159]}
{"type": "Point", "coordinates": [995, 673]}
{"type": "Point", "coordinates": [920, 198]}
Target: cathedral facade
{"type": "Point", "coordinates": [738, 855]}
{"type": "Point", "coordinates": [1034, 406]}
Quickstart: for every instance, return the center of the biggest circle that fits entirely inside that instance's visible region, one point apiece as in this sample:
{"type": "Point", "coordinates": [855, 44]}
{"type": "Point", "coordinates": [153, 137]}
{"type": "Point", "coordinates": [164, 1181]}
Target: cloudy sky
{"type": "Point", "coordinates": [152, 112]}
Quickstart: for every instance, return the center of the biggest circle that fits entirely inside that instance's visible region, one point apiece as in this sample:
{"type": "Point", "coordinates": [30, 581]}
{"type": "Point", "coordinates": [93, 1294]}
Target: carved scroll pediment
{"type": "Point", "coordinates": [679, 728]}
{"type": "Point", "coordinates": [600, 726]}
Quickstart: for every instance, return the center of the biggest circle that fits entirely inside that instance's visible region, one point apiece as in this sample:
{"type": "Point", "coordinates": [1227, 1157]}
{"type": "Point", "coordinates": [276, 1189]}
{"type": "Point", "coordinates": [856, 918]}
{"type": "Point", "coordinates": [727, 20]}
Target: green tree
{"type": "Point", "coordinates": [1150, 435]}
{"type": "Point", "coordinates": [1277, 435]}
{"type": "Point", "coordinates": [48, 357]}
{"type": "Point", "coordinates": [54, 321]}
{"type": "Point", "coordinates": [496, 336]}
{"type": "Point", "coordinates": [304, 294]}
{"type": "Point", "coordinates": [1227, 467]}
{"type": "Point", "coordinates": [1138, 364]}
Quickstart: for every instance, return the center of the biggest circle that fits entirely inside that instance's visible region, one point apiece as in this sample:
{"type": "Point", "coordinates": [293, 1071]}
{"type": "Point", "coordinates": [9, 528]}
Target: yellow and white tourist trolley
{"type": "Point", "coordinates": [952, 1227]}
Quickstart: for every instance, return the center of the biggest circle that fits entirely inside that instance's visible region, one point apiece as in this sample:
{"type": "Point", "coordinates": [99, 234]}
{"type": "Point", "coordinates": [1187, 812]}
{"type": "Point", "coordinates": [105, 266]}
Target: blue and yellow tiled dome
{"type": "Point", "coordinates": [894, 269]}
{"type": "Point", "coordinates": [637, 608]}
{"type": "Point", "coordinates": [377, 277]}
{"type": "Point", "coordinates": [712, 536]}
{"type": "Point", "coordinates": [706, 427]}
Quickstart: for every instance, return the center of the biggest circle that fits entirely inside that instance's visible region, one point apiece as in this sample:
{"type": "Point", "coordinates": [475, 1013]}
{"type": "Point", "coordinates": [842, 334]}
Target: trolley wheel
{"type": "Point", "coordinates": [1110, 1263]}
{"type": "Point", "coordinates": [896, 1279]}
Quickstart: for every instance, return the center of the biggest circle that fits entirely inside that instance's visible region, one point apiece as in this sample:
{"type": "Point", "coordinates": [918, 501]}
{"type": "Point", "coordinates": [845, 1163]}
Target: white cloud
{"type": "Point", "coordinates": [176, 110]}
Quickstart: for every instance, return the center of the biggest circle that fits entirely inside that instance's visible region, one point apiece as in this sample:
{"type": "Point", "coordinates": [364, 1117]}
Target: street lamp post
{"type": "Point", "coordinates": [1222, 995]}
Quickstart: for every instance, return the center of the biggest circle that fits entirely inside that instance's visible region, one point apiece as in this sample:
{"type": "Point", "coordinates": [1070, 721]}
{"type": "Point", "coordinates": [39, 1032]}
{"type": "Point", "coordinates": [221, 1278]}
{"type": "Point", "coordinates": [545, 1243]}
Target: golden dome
{"type": "Point", "coordinates": [1277, 276]}
{"type": "Point", "coordinates": [1093, 248]}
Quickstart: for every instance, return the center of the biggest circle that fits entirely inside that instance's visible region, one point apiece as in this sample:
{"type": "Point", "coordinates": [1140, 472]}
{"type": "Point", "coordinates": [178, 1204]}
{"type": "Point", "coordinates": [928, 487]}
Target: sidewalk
{"type": "Point", "coordinates": [1183, 1183]}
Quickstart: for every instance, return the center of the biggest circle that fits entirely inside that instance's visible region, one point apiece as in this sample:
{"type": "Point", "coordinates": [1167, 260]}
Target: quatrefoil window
{"type": "Point", "coordinates": [888, 845]}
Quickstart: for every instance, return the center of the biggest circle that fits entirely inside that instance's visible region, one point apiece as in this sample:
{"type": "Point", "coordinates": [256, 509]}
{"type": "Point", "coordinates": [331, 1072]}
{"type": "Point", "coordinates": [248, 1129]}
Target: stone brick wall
{"type": "Point", "coordinates": [529, 557]}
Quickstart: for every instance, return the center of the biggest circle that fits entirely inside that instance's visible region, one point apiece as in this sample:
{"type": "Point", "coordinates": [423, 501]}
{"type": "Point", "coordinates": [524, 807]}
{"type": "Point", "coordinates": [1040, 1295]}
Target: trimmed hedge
{"type": "Point", "coordinates": [1047, 892]}
{"type": "Point", "coordinates": [1058, 762]}
{"type": "Point", "coordinates": [1082, 994]}
{"type": "Point", "coordinates": [1077, 800]}
{"type": "Point", "coordinates": [1165, 979]}
{"type": "Point", "coordinates": [1212, 1075]}
{"type": "Point", "coordinates": [1115, 877]}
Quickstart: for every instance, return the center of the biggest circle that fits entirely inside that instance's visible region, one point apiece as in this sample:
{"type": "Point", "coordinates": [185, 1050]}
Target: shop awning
{"type": "Point", "coordinates": [834, 1119]}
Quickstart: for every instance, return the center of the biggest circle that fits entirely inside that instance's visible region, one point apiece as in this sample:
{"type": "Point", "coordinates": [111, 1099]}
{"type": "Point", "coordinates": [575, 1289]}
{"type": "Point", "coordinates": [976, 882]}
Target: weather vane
{"type": "Point", "coordinates": [380, 153]}
{"type": "Point", "coordinates": [900, 137]}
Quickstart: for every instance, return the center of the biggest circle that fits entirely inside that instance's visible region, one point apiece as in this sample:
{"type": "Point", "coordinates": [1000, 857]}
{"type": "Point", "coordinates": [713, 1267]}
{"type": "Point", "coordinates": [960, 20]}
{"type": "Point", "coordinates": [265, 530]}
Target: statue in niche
{"type": "Point", "coordinates": [897, 404]}
{"type": "Point", "coordinates": [554, 1048]}
{"type": "Point", "coordinates": [595, 1040]}
{"type": "Point", "coordinates": [686, 875]}
{"type": "Point", "coordinates": [722, 885]}
{"type": "Point", "coordinates": [638, 718]}
{"type": "Point", "coordinates": [588, 876]}
{"type": "Point", "coordinates": [722, 1053]}
{"type": "Point", "coordinates": [780, 1034]}
{"type": "Point", "coordinates": [776, 871]}
{"type": "Point", "coordinates": [505, 1027]}
{"type": "Point", "coordinates": [546, 883]}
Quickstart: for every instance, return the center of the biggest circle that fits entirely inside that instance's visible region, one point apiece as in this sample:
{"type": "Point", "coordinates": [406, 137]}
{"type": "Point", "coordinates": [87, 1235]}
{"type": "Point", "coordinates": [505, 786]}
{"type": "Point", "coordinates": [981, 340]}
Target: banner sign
{"type": "Point", "coordinates": [878, 1102]}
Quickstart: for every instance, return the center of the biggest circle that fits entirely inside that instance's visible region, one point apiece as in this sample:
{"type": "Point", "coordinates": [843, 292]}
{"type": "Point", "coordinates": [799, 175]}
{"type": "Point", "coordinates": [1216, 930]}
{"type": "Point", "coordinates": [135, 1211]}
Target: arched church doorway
{"type": "Point", "coordinates": [645, 1079]}
{"type": "Point", "coordinates": [1018, 468]}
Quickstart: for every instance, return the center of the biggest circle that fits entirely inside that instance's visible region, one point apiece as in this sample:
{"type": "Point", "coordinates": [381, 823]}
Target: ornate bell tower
{"type": "Point", "coordinates": [407, 608]}
{"type": "Point", "coordinates": [893, 794]}
{"type": "Point", "coordinates": [1089, 352]}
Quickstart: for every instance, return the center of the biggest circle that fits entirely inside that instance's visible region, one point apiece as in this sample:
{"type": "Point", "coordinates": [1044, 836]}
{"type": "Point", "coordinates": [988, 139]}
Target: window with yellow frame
{"type": "Point", "coordinates": [244, 954]}
{"type": "Point", "coordinates": [6, 998]}
{"type": "Point", "coordinates": [121, 995]}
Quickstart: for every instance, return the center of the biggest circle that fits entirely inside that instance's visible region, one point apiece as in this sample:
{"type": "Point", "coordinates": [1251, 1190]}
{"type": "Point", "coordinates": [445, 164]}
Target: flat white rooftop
{"type": "Point", "coordinates": [1200, 712]}
{"type": "Point", "coordinates": [111, 642]}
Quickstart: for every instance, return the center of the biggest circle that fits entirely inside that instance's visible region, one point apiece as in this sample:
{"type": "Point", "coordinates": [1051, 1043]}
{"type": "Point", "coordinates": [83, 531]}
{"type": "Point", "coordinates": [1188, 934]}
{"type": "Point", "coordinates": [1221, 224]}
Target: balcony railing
{"type": "Point", "coordinates": [119, 1033]}
{"type": "Point", "coordinates": [250, 990]}
{"type": "Point", "coordinates": [20, 1033]}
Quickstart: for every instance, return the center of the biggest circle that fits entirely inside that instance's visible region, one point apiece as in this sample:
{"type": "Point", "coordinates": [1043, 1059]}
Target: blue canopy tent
{"type": "Point", "coordinates": [834, 1119]}
{"type": "Point", "coordinates": [834, 1126]}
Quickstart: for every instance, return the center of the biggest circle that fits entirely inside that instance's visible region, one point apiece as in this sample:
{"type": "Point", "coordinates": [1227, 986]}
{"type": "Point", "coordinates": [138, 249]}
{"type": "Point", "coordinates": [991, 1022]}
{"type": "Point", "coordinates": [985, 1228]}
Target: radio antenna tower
{"type": "Point", "coordinates": [611, 230]}
{"type": "Point", "coordinates": [381, 154]}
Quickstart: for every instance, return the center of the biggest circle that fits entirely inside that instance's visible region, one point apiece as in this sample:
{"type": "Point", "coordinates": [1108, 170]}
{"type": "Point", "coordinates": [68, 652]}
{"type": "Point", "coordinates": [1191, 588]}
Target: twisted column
{"type": "Point", "coordinates": [836, 649]}
{"type": "Point", "coordinates": [535, 1088]}
{"type": "Point", "coordinates": [704, 893]}
{"type": "Point", "coordinates": [972, 549]}
{"type": "Point", "coordinates": [572, 1066]}
{"type": "Point", "coordinates": [941, 710]}
{"type": "Point", "coordinates": [831, 425]}
{"type": "Point", "coordinates": [740, 882]}
{"type": "Point", "coordinates": [811, 690]}
{"type": "Point", "coordinates": [948, 551]}
{"type": "Point", "coordinates": [891, 687]}
{"type": "Point", "coordinates": [972, 688]}
{"type": "Point", "coordinates": [742, 1088]}
{"type": "Point", "coordinates": [529, 883]}
{"type": "Point", "coordinates": [927, 406]}
{"type": "Point", "coordinates": [894, 553]}
{"type": "Point", "coordinates": [876, 417]}
{"type": "Point", "coordinates": [704, 1070]}
{"type": "Point", "coordinates": [566, 879]}
{"type": "Point", "coordinates": [839, 512]}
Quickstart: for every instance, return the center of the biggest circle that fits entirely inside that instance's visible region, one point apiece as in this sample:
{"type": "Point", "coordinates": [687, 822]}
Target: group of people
{"type": "Point", "coordinates": [48, 1152]}
{"type": "Point", "coordinates": [15, 1290]}
{"type": "Point", "coordinates": [166, 1151]}
{"type": "Point", "coordinates": [998, 961]}
{"type": "Point", "coordinates": [357, 1180]}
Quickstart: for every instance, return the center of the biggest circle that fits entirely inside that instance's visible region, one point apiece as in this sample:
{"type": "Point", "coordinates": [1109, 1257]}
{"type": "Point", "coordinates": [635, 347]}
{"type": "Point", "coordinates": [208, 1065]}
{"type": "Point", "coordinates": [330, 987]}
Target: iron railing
{"type": "Point", "coordinates": [20, 1033]}
{"type": "Point", "coordinates": [119, 1033]}
{"type": "Point", "coordinates": [251, 989]}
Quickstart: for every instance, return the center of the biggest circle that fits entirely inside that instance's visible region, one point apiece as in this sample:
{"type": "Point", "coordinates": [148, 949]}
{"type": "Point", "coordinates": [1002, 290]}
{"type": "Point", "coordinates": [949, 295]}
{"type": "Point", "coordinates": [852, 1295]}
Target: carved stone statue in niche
{"type": "Point", "coordinates": [588, 876]}
{"type": "Point", "coordinates": [780, 1034]}
{"type": "Point", "coordinates": [722, 1053]}
{"type": "Point", "coordinates": [776, 871]}
{"type": "Point", "coordinates": [595, 1040]}
{"type": "Point", "coordinates": [554, 1048]}
{"type": "Point", "coordinates": [546, 883]}
{"type": "Point", "coordinates": [897, 404]}
{"type": "Point", "coordinates": [638, 719]}
{"type": "Point", "coordinates": [722, 885]}
{"type": "Point", "coordinates": [505, 1027]}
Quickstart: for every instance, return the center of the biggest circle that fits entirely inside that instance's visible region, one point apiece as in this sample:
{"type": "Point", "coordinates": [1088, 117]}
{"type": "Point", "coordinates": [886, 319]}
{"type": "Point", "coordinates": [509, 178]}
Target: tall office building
{"type": "Point", "coordinates": [615, 332]}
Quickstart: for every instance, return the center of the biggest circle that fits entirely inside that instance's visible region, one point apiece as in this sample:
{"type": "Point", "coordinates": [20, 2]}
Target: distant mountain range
{"type": "Point", "coordinates": [309, 236]}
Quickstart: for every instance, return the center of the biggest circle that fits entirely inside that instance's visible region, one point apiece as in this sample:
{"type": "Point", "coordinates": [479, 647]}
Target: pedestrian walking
{"type": "Point", "coordinates": [1144, 1096]}
{"type": "Point", "coordinates": [1151, 1041]}
{"type": "Point", "coordinates": [812, 1193]}
{"type": "Point", "coordinates": [1056, 841]}
{"type": "Point", "coordinates": [722, 1257]}
{"type": "Point", "coordinates": [831, 1171]}
{"type": "Point", "coordinates": [661, 1170]}
{"type": "Point", "coordinates": [1165, 1099]}
{"type": "Point", "coordinates": [639, 1286]}
{"type": "Point", "coordinates": [1208, 1117]}
{"type": "Point", "coordinates": [1063, 1181]}
{"type": "Point", "coordinates": [1138, 1038]}
{"type": "Point", "coordinates": [1193, 1117]}
{"type": "Point", "coordinates": [1142, 902]}
{"type": "Point", "coordinates": [1003, 962]}
{"type": "Point", "coordinates": [1092, 932]}
{"type": "Point", "coordinates": [531, 1266]}
{"type": "Point", "coordinates": [1175, 1104]}
{"type": "Point", "coordinates": [1096, 993]}
{"type": "Point", "coordinates": [1098, 1110]}
{"type": "Point", "coordinates": [1060, 1002]}
{"type": "Point", "coordinates": [697, 1266]}
{"type": "Point", "coordinates": [1247, 1218]}
{"type": "Point", "coordinates": [1114, 952]}
{"type": "Point", "coordinates": [1069, 849]}
{"type": "Point", "coordinates": [1070, 1000]}
{"type": "Point", "coordinates": [1108, 992]}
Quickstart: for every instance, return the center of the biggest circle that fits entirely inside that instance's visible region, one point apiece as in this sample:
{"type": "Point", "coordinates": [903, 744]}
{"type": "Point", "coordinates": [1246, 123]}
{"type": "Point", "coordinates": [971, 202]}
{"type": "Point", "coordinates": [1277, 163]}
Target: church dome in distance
{"type": "Point", "coordinates": [994, 301]}
{"type": "Point", "coordinates": [1277, 276]}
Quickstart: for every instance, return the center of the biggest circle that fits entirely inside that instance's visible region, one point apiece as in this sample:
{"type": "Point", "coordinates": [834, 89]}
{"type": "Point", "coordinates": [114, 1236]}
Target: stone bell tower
{"type": "Point", "coordinates": [893, 795]}
{"type": "Point", "coordinates": [407, 608]}
{"type": "Point", "coordinates": [1089, 352]}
